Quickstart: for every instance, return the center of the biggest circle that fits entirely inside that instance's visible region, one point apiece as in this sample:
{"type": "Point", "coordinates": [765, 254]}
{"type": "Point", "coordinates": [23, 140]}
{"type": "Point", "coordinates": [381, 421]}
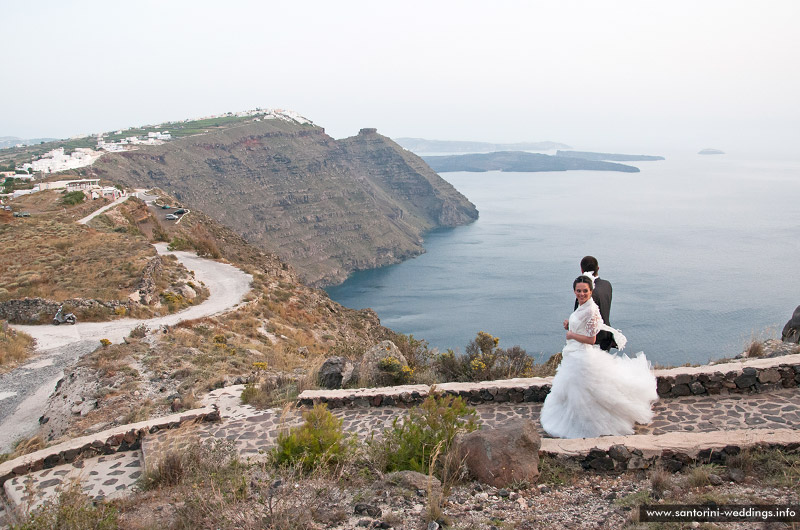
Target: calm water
{"type": "Point", "coordinates": [702, 252]}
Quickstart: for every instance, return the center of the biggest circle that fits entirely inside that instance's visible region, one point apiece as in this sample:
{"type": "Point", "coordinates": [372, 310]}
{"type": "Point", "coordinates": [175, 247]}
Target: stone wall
{"type": "Point", "coordinates": [749, 379]}
{"type": "Point", "coordinates": [750, 376]}
{"type": "Point", "coordinates": [42, 311]}
{"type": "Point", "coordinates": [147, 285]}
{"type": "Point", "coordinates": [621, 458]}
{"type": "Point", "coordinates": [85, 447]}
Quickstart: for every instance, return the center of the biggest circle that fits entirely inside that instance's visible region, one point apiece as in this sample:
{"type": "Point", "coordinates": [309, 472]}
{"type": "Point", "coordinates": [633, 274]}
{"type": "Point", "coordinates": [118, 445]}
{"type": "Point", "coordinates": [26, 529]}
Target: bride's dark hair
{"type": "Point", "coordinates": [583, 279]}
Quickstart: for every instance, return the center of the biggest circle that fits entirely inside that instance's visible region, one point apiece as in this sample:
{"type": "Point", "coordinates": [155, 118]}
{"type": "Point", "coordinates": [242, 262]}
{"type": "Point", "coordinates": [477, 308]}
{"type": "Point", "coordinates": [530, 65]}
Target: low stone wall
{"type": "Point", "coordinates": [146, 289]}
{"type": "Point", "coordinates": [672, 451]}
{"type": "Point", "coordinates": [105, 443]}
{"type": "Point", "coordinates": [621, 458]}
{"type": "Point", "coordinates": [42, 311]}
{"type": "Point", "coordinates": [750, 376]}
{"type": "Point", "coordinates": [749, 379]}
{"type": "Point", "coordinates": [392, 396]}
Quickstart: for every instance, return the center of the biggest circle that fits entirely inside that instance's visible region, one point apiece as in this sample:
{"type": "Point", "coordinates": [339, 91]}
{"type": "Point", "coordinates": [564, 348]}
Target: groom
{"type": "Point", "coordinates": [602, 297]}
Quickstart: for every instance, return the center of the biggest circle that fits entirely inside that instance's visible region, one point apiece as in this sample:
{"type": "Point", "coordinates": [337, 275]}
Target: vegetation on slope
{"type": "Point", "coordinates": [49, 255]}
{"type": "Point", "coordinates": [283, 328]}
{"type": "Point", "coordinates": [15, 347]}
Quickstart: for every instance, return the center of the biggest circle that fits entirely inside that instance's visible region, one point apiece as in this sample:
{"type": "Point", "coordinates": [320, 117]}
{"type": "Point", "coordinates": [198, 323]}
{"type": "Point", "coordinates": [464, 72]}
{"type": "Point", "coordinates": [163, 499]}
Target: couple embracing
{"type": "Point", "coordinates": [595, 393]}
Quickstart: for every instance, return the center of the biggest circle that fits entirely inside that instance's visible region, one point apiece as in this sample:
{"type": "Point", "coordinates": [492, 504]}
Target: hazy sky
{"type": "Point", "coordinates": [594, 74]}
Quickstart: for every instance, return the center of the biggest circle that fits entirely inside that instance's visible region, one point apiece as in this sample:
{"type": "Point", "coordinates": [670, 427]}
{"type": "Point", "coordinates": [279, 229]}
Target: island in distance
{"type": "Point", "coordinates": [421, 145]}
{"type": "Point", "coordinates": [519, 161]}
{"type": "Point", "coordinates": [711, 152]}
{"type": "Point", "coordinates": [586, 155]}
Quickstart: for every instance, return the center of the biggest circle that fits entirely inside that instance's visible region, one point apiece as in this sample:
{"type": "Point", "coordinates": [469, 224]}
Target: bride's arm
{"type": "Point", "coordinates": [592, 326]}
{"type": "Point", "coordinates": [585, 339]}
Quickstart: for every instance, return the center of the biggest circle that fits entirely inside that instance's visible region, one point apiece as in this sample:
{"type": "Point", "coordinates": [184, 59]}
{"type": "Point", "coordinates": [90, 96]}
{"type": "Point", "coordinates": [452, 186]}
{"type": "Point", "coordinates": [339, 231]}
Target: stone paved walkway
{"type": "Point", "coordinates": [101, 477]}
{"type": "Point", "coordinates": [254, 432]}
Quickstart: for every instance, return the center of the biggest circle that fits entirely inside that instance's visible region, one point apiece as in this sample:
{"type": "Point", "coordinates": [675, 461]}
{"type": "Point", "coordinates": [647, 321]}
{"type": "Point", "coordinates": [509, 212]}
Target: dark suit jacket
{"type": "Point", "coordinates": [602, 297]}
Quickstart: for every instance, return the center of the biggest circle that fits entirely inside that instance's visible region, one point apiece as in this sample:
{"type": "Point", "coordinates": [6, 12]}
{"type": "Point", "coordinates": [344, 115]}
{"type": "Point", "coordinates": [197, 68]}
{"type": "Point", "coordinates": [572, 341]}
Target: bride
{"type": "Point", "coordinates": [595, 393]}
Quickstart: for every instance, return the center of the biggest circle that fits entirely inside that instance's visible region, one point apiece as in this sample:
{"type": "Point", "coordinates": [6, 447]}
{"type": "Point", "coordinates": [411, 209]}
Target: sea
{"type": "Point", "coordinates": [702, 252]}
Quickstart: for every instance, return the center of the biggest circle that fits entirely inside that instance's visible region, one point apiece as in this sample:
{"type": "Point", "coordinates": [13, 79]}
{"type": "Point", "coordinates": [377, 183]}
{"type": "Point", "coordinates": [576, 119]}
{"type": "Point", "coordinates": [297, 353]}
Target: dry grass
{"type": "Point", "coordinates": [270, 391]}
{"type": "Point", "coordinates": [547, 368]}
{"type": "Point", "coordinates": [660, 480]}
{"type": "Point", "coordinates": [49, 255]}
{"type": "Point", "coordinates": [558, 471]}
{"type": "Point", "coordinates": [15, 347]}
{"type": "Point", "coordinates": [698, 477]}
{"type": "Point", "coordinates": [72, 510]}
{"type": "Point", "coordinates": [755, 349]}
{"type": "Point", "coordinates": [777, 467]}
{"type": "Point", "coordinates": [24, 447]}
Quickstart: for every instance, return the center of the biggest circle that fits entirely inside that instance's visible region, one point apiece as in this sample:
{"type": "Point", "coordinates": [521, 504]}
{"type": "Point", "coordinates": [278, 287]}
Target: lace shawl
{"type": "Point", "coordinates": [594, 324]}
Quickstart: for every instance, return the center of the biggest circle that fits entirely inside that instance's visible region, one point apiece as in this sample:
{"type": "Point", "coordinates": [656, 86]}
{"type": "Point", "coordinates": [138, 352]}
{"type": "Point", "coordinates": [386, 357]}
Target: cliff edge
{"type": "Point", "coordinates": [327, 207]}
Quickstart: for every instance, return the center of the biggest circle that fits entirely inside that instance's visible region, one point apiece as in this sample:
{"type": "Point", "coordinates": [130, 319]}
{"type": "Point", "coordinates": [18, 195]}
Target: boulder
{"type": "Point", "coordinates": [335, 372]}
{"type": "Point", "coordinates": [791, 331]}
{"type": "Point", "coordinates": [777, 348]}
{"type": "Point", "coordinates": [502, 455]}
{"type": "Point", "coordinates": [187, 292]}
{"type": "Point", "coordinates": [369, 372]}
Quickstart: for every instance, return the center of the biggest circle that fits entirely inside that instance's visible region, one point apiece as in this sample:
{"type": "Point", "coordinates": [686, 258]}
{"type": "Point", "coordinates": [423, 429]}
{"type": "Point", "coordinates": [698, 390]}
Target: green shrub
{"type": "Point", "coordinates": [484, 361]}
{"type": "Point", "coordinates": [415, 351]}
{"type": "Point", "coordinates": [450, 367]}
{"type": "Point", "coordinates": [173, 300]}
{"type": "Point", "coordinates": [320, 441]}
{"type": "Point", "coordinates": [411, 443]}
{"type": "Point", "coordinates": [393, 372]}
{"type": "Point", "coordinates": [73, 197]}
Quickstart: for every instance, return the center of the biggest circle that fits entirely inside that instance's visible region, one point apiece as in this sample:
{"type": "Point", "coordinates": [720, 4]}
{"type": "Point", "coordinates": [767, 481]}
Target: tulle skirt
{"type": "Point", "coordinates": [595, 393]}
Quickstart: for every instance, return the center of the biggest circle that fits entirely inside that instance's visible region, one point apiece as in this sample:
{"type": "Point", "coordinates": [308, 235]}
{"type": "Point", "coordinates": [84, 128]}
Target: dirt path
{"type": "Point", "coordinates": [23, 391]}
{"type": "Point", "coordinates": [103, 209]}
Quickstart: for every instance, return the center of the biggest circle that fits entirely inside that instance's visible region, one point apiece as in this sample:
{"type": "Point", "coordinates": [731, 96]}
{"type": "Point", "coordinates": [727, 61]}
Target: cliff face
{"type": "Point", "coordinates": [326, 207]}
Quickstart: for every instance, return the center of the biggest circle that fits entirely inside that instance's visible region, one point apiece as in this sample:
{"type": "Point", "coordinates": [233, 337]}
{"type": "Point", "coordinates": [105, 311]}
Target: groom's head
{"type": "Point", "coordinates": [589, 264]}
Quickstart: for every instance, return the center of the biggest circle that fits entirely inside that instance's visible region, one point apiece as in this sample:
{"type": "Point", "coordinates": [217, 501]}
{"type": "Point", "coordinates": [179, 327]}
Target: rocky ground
{"type": "Point", "coordinates": [574, 499]}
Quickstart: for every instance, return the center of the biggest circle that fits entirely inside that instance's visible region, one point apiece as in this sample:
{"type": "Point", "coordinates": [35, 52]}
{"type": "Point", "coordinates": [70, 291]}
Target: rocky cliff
{"type": "Point", "coordinates": [327, 207]}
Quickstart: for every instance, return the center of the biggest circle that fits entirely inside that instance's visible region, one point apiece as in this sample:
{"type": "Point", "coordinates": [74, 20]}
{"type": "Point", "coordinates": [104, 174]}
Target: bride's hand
{"type": "Point", "coordinates": [566, 324]}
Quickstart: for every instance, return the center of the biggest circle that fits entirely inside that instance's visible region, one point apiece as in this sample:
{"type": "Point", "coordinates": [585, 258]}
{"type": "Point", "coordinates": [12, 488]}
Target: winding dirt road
{"type": "Point", "coordinates": [24, 391]}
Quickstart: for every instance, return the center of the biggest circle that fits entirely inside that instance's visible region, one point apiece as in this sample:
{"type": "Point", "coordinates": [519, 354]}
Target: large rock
{"type": "Point", "coordinates": [335, 372]}
{"type": "Point", "coordinates": [502, 455]}
{"type": "Point", "coordinates": [368, 370]}
{"type": "Point", "coordinates": [791, 331]}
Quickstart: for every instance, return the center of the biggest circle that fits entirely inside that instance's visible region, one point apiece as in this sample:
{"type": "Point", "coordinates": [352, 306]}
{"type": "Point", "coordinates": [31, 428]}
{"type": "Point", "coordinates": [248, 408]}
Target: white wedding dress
{"type": "Point", "coordinates": [595, 393]}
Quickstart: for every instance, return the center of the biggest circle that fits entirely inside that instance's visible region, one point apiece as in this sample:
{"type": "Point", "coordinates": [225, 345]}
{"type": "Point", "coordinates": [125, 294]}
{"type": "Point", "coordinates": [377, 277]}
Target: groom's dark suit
{"type": "Point", "coordinates": [602, 297]}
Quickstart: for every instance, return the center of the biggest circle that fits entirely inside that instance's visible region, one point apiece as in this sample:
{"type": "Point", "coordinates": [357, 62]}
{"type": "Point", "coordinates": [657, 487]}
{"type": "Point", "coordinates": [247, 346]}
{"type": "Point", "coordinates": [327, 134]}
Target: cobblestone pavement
{"type": "Point", "coordinates": [254, 432]}
{"type": "Point", "coordinates": [100, 477]}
